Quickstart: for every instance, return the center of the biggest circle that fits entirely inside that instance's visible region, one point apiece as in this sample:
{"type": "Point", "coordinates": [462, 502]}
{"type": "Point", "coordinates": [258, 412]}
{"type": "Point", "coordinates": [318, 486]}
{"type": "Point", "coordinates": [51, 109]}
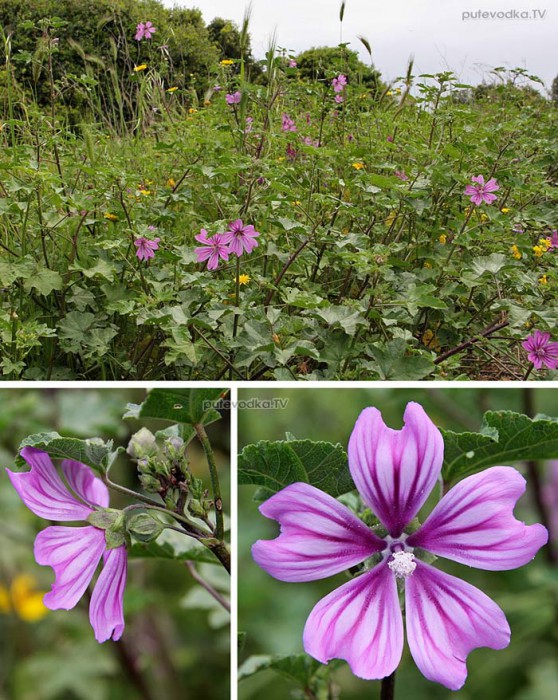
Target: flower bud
{"type": "Point", "coordinates": [142, 444]}
{"type": "Point", "coordinates": [144, 527]}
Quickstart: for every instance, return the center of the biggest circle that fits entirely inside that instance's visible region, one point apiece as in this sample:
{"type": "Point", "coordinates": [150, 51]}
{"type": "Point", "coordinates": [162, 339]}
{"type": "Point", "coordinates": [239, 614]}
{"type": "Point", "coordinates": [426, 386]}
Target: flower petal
{"type": "Point", "coordinates": [360, 622]}
{"type": "Point", "coordinates": [43, 491]}
{"type": "Point", "coordinates": [474, 523]}
{"type": "Point", "coordinates": [73, 553]}
{"type": "Point", "coordinates": [106, 611]}
{"type": "Point", "coordinates": [319, 536]}
{"type": "Point", "coordinates": [85, 484]}
{"type": "Point", "coordinates": [446, 619]}
{"type": "Point", "coordinates": [395, 470]}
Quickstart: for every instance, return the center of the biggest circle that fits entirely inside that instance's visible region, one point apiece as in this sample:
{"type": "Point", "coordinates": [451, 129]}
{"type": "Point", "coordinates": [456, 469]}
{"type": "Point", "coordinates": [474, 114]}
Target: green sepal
{"type": "Point", "coordinates": [114, 539]}
{"type": "Point", "coordinates": [105, 518]}
{"type": "Point", "coordinates": [144, 527]}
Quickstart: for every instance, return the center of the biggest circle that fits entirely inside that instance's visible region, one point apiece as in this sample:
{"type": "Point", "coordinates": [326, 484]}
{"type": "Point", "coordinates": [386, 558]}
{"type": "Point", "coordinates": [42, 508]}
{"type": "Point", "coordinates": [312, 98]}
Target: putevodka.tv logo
{"type": "Point", "coordinates": [504, 14]}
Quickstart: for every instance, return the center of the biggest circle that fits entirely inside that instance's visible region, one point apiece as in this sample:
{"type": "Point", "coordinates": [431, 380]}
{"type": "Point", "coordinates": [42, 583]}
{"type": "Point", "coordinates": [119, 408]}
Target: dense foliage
{"type": "Point", "coordinates": [371, 261]}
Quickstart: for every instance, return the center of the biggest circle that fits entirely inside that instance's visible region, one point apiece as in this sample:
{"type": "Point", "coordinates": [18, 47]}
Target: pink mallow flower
{"type": "Point", "coordinates": [339, 83]}
{"type": "Point", "coordinates": [74, 552]}
{"type": "Point", "coordinates": [234, 98]}
{"type": "Point", "coordinates": [213, 249]}
{"type": "Point", "coordinates": [146, 248]}
{"type": "Point", "coordinates": [481, 191]}
{"type": "Point", "coordinates": [401, 175]}
{"type": "Point", "coordinates": [287, 124]}
{"type": "Point", "coordinates": [240, 238]}
{"type": "Point", "coordinates": [144, 31]}
{"type": "Point", "coordinates": [553, 240]}
{"type": "Point", "coordinates": [541, 351]}
{"type": "Point", "coordinates": [473, 524]}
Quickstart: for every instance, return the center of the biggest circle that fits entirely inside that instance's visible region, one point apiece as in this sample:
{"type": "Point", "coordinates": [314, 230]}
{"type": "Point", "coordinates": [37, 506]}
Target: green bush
{"type": "Point", "coordinates": [319, 64]}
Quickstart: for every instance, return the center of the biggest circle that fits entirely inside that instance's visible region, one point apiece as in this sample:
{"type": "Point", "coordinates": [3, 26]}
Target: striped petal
{"type": "Point", "coordinates": [395, 470]}
{"type": "Point", "coordinates": [446, 619]}
{"type": "Point", "coordinates": [319, 536]}
{"type": "Point", "coordinates": [106, 611]}
{"type": "Point", "coordinates": [73, 553]}
{"type": "Point", "coordinates": [85, 484]}
{"type": "Point", "coordinates": [43, 491]}
{"type": "Point", "coordinates": [474, 523]}
{"type": "Point", "coordinates": [360, 622]}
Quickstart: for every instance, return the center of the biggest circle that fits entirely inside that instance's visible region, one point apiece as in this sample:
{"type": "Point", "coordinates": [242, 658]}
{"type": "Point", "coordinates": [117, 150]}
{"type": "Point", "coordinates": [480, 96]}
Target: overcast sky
{"type": "Point", "coordinates": [433, 30]}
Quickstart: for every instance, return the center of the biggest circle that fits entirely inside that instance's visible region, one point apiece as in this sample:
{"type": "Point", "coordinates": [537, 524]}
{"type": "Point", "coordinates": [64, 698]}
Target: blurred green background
{"type": "Point", "coordinates": [175, 645]}
{"type": "Point", "coordinates": [273, 613]}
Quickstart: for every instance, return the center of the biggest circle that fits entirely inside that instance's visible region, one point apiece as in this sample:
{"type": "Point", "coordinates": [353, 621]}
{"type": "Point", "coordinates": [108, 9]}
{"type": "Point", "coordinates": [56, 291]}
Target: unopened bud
{"type": "Point", "coordinates": [142, 444]}
{"type": "Point", "coordinates": [144, 527]}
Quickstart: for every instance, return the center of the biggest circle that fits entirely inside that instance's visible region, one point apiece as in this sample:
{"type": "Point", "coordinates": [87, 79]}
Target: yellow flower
{"type": "Point", "coordinates": [358, 166]}
{"type": "Point", "coordinates": [139, 68]}
{"type": "Point", "coordinates": [280, 159]}
{"type": "Point", "coordinates": [23, 599]}
{"type": "Point", "coordinates": [544, 243]}
{"type": "Point", "coordinates": [111, 217]}
{"type": "Point", "coordinates": [389, 92]}
{"type": "Point", "coordinates": [227, 62]}
{"type": "Point", "coordinates": [171, 182]}
{"type": "Point", "coordinates": [172, 89]}
{"type": "Point", "coordinates": [296, 203]}
{"type": "Point", "coordinates": [428, 265]}
{"type": "Point", "coordinates": [515, 252]}
{"type": "Point", "coordinates": [538, 251]}
{"type": "Point", "coordinates": [504, 210]}
{"type": "Point", "coordinates": [484, 218]}
{"type": "Point", "coordinates": [443, 238]}
{"type": "Point", "coordinates": [243, 279]}
{"type": "Point", "coordinates": [145, 192]}
{"type": "Point", "coordinates": [398, 91]}
{"type": "Point", "coordinates": [543, 279]}
{"type": "Point", "coordinates": [192, 110]}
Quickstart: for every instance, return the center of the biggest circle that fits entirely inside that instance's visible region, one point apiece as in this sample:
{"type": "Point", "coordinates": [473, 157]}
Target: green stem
{"type": "Point", "coordinates": [388, 687]}
{"type": "Point", "coordinates": [215, 486]}
{"type": "Point", "coordinates": [208, 587]}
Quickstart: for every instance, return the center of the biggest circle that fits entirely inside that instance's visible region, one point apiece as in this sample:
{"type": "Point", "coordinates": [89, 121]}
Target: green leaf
{"type": "Point", "coordinates": [188, 406]}
{"type": "Point", "coordinates": [274, 465]}
{"type": "Point", "coordinates": [505, 437]}
{"type": "Point", "coordinates": [44, 281]}
{"type": "Point", "coordinates": [297, 667]}
{"type": "Point", "coordinates": [172, 545]}
{"type": "Point", "coordinates": [93, 452]}
{"type": "Point", "coordinates": [393, 362]}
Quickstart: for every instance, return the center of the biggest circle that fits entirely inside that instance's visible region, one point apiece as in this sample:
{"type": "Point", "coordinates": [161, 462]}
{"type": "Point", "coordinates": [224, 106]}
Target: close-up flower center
{"type": "Point", "coordinates": [402, 564]}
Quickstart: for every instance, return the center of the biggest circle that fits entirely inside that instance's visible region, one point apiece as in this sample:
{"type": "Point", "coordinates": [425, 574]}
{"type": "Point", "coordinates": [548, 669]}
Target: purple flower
{"type": "Point", "coordinates": [309, 141]}
{"type": "Point", "coordinates": [144, 31]}
{"type": "Point", "coordinates": [240, 238]}
{"type": "Point", "coordinates": [74, 552]}
{"type": "Point", "coordinates": [390, 139]}
{"type": "Point", "coordinates": [146, 248]}
{"type": "Point", "coordinates": [518, 228]}
{"type": "Point", "coordinates": [339, 83]}
{"type": "Point", "coordinates": [481, 191]}
{"type": "Point", "coordinates": [249, 125]}
{"type": "Point", "coordinates": [292, 63]}
{"type": "Point", "coordinates": [339, 99]}
{"type": "Point", "coordinates": [401, 175]}
{"type": "Point", "coordinates": [361, 621]}
{"type": "Point", "coordinates": [233, 99]}
{"type": "Point", "coordinates": [287, 124]}
{"type": "Point", "coordinates": [541, 351]}
{"type": "Point", "coordinates": [291, 152]}
{"type": "Point", "coordinates": [213, 249]}
{"type": "Point", "coordinates": [217, 88]}
{"type": "Point", "coordinates": [553, 240]}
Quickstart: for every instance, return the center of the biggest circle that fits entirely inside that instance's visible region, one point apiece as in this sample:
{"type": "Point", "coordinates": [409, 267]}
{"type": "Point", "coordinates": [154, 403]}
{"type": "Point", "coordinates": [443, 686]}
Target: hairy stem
{"type": "Point", "coordinates": [214, 475]}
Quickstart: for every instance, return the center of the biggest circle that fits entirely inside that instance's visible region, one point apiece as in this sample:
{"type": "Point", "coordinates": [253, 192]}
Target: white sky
{"type": "Point", "coordinates": [432, 30]}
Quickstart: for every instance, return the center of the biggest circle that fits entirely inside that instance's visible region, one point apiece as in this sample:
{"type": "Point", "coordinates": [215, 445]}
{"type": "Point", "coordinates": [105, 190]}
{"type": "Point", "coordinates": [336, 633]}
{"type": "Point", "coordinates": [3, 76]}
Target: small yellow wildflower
{"type": "Point", "coordinates": [280, 159]}
{"type": "Point", "coordinates": [389, 92]}
{"type": "Point", "coordinates": [345, 231]}
{"type": "Point", "coordinates": [358, 166]}
{"type": "Point", "coordinates": [543, 279]}
{"type": "Point", "coordinates": [515, 252]}
{"type": "Point", "coordinates": [484, 218]}
{"type": "Point", "coordinates": [141, 67]}
{"type": "Point", "coordinates": [504, 210]}
{"type": "Point", "coordinates": [243, 279]}
{"type": "Point", "coordinates": [296, 203]}
{"type": "Point", "coordinates": [443, 238]}
{"type": "Point", "coordinates": [23, 599]}
{"type": "Point", "coordinates": [145, 193]}
{"type": "Point", "coordinates": [544, 243]}
{"type": "Point", "coordinates": [427, 265]}
{"type": "Point", "coordinates": [172, 89]}
{"type": "Point", "coordinates": [227, 62]}
{"type": "Point", "coordinates": [192, 110]}
{"type": "Point", "coordinates": [111, 217]}
{"type": "Point", "coordinates": [171, 182]}
{"type": "Point", "coordinates": [398, 91]}
{"type": "Point", "coordinates": [538, 250]}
